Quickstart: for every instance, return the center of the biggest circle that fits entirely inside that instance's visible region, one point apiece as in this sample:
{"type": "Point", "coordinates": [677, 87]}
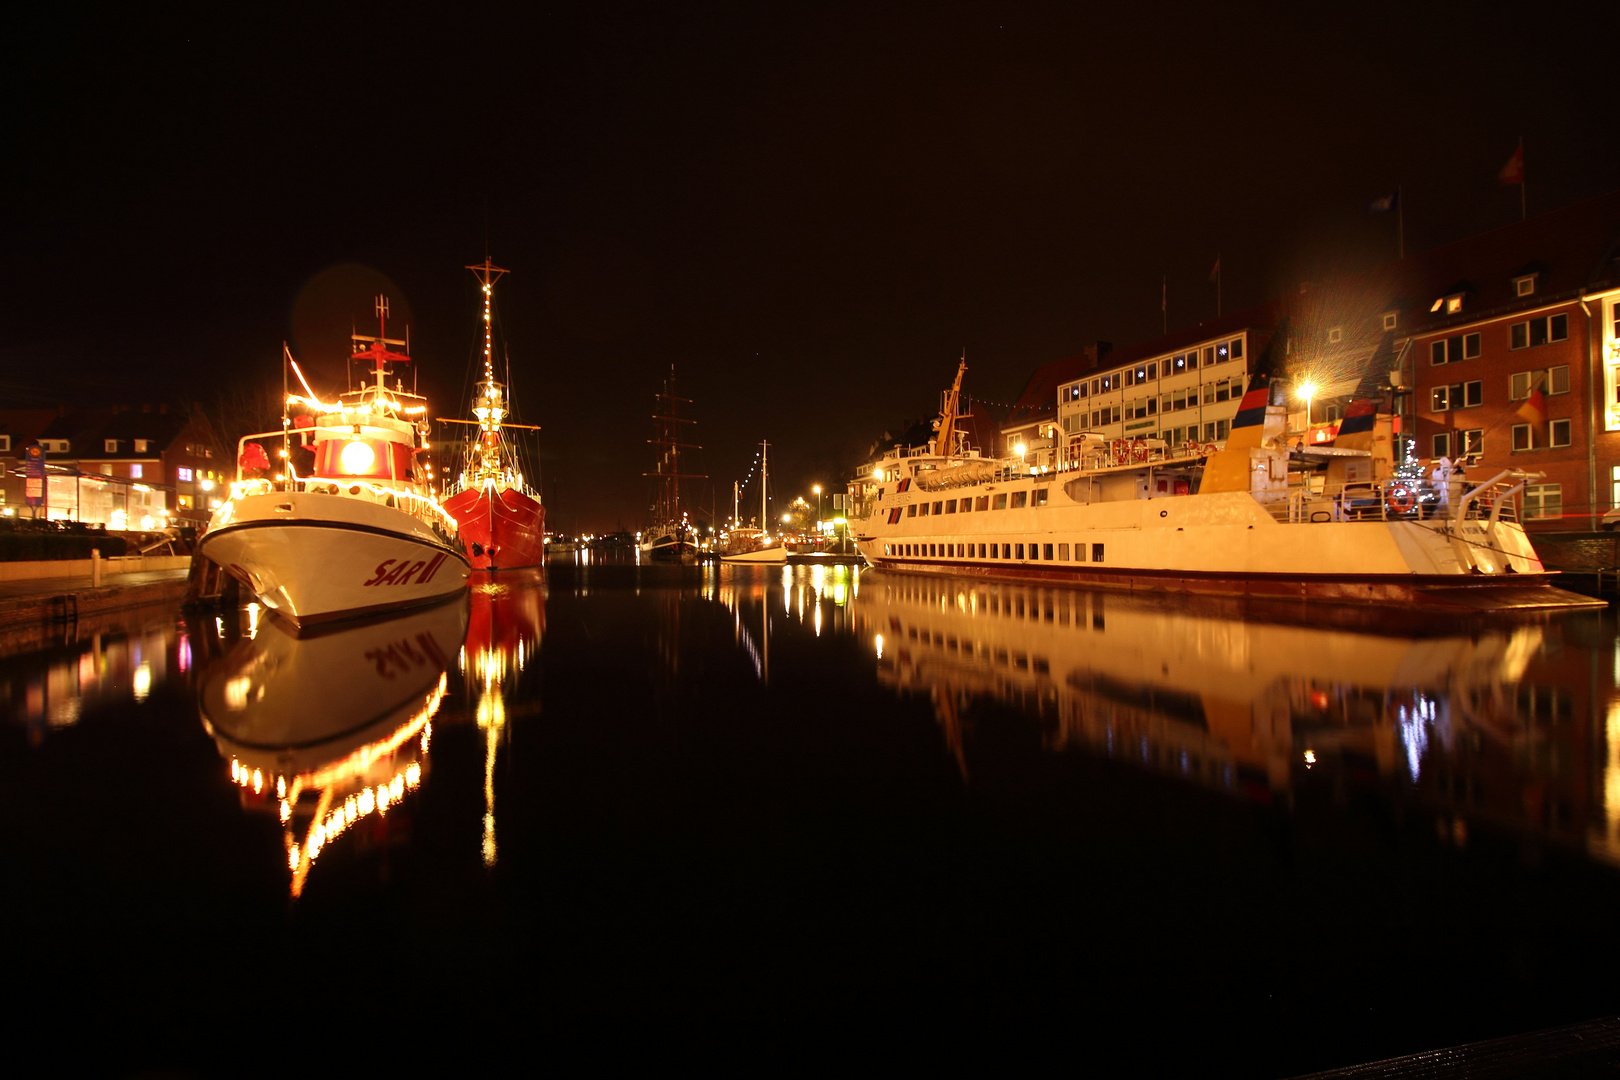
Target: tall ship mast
{"type": "Point", "coordinates": [670, 535]}
{"type": "Point", "coordinates": [344, 520]}
{"type": "Point", "coordinates": [503, 522]}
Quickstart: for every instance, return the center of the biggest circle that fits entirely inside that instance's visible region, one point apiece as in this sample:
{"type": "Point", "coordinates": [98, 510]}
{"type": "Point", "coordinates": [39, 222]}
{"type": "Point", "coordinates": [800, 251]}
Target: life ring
{"type": "Point", "coordinates": [1399, 500]}
{"type": "Point", "coordinates": [1120, 451]}
{"type": "Point", "coordinates": [1139, 450]}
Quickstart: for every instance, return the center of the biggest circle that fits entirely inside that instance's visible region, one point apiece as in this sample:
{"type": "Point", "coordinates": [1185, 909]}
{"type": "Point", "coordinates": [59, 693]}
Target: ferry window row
{"type": "Point", "coordinates": [1026, 552]}
{"type": "Point", "coordinates": [1149, 371]}
{"type": "Point", "coordinates": [1013, 500]}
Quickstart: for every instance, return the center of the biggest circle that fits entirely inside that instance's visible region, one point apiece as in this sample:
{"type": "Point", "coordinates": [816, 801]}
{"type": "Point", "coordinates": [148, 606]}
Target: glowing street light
{"type": "Point", "coordinates": [817, 489]}
{"type": "Point", "coordinates": [1307, 390]}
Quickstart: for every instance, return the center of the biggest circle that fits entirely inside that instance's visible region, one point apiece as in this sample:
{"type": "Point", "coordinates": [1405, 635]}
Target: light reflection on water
{"type": "Point", "coordinates": [1510, 724]}
{"type": "Point", "coordinates": [1478, 724]}
{"type": "Point", "coordinates": [760, 769]}
{"type": "Point", "coordinates": [1491, 721]}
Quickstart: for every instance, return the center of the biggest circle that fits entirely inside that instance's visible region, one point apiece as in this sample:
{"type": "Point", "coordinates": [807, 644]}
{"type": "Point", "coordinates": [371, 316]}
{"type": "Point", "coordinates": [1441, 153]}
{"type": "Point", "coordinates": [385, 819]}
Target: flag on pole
{"type": "Point", "coordinates": [1534, 409]}
{"type": "Point", "coordinates": [1215, 271]}
{"type": "Point", "coordinates": [1513, 171]}
{"type": "Point", "coordinates": [1386, 204]}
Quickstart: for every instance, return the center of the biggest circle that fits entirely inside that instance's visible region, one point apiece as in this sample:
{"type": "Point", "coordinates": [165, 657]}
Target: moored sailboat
{"type": "Point", "coordinates": [756, 545]}
{"type": "Point", "coordinates": [670, 536]}
{"type": "Point", "coordinates": [502, 520]}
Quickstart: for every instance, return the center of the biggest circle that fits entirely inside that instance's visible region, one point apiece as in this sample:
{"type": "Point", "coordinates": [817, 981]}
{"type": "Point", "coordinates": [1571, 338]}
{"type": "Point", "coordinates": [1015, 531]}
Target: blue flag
{"type": "Point", "coordinates": [1384, 205]}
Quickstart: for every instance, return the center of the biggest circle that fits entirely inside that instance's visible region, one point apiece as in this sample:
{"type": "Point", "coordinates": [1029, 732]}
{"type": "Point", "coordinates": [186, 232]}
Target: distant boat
{"type": "Point", "coordinates": [359, 530]}
{"type": "Point", "coordinates": [503, 524]}
{"type": "Point", "coordinates": [748, 545]}
{"type": "Point", "coordinates": [670, 537]}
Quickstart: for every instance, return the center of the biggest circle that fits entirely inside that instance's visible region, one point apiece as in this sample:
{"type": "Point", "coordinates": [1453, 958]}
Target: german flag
{"type": "Point", "coordinates": [1534, 409]}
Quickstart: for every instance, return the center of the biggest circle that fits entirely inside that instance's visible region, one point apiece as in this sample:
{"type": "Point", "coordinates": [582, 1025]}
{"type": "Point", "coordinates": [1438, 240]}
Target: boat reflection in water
{"type": "Point", "coordinates": [503, 635]}
{"type": "Point", "coordinates": [1480, 722]}
{"type": "Point", "coordinates": [331, 730]}
{"type": "Point", "coordinates": [817, 596]}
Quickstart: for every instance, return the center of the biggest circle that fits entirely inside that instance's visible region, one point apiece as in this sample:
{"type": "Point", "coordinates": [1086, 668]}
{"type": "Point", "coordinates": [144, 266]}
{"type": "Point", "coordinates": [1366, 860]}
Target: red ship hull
{"type": "Point", "coordinates": [500, 533]}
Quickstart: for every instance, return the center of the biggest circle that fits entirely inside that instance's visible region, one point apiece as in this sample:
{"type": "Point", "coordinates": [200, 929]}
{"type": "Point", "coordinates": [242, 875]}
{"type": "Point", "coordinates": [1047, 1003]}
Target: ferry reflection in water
{"type": "Point", "coordinates": [1478, 722]}
{"type": "Point", "coordinates": [503, 635]}
{"type": "Point", "coordinates": [331, 730]}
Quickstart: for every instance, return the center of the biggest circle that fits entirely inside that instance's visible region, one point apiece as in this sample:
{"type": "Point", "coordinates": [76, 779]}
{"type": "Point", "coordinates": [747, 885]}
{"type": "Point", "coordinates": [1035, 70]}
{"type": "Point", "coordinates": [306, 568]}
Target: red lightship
{"type": "Point", "coordinates": [500, 520]}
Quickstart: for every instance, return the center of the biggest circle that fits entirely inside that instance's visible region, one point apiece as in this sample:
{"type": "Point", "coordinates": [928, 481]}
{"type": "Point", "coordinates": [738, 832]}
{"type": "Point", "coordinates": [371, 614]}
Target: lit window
{"type": "Point", "coordinates": [1453, 304]}
{"type": "Point", "coordinates": [183, 475]}
{"type": "Point", "coordinates": [1440, 399]}
{"type": "Point", "coordinates": [135, 471]}
{"type": "Point", "coordinates": [143, 446]}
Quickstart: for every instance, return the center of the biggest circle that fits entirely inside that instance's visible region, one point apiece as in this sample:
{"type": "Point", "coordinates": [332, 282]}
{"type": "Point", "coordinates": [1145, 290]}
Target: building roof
{"type": "Point", "coordinates": [89, 429]}
{"type": "Point", "coordinates": [1038, 401]}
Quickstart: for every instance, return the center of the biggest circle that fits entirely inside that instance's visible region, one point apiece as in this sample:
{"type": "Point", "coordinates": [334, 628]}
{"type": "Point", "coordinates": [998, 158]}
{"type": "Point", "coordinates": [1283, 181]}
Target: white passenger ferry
{"type": "Point", "coordinates": [1253, 517]}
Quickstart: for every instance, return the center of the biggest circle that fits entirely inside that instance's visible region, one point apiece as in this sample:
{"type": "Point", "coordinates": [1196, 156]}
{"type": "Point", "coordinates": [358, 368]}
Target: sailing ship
{"type": "Point", "coordinates": [502, 522]}
{"type": "Point", "coordinates": [1253, 518]}
{"type": "Point", "coordinates": [360, 530]}
{"type": "Point", "coordinates": [754, 545]}
{"type": "Point", "coordinates": [670, 536]}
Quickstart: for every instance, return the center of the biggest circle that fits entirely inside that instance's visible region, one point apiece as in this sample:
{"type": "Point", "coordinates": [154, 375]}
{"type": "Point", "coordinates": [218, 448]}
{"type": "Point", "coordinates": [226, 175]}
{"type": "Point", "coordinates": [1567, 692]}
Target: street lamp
{"type": "Point", "coordinates": [1307, 390]}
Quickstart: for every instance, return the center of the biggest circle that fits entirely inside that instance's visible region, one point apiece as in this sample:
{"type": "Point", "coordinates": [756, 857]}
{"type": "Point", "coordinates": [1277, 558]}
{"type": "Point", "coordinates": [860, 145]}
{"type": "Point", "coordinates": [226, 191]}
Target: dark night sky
{"type": "Point", "coordinates": [809, 209]}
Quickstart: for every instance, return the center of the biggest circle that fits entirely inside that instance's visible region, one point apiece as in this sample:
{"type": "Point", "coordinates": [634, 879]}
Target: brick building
{"type": "Point", "coordinates": [121, 467]}
{"type": "Point", "coordinates": [1502, 349]}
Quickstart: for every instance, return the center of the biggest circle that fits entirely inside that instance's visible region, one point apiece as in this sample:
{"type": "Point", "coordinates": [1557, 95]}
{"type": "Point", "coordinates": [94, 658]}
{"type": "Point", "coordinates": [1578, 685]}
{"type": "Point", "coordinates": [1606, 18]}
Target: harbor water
{"type": "Point", "coordinates": [781, 816]}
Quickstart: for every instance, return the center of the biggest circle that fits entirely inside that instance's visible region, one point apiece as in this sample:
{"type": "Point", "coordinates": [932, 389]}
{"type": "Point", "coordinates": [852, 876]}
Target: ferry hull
{"type": "Point", "coordinates": [499, 530]}
{"type": "Point", "coordinates": [1223, 545]}
{"type": "Point", "coordinates": [315, 558]}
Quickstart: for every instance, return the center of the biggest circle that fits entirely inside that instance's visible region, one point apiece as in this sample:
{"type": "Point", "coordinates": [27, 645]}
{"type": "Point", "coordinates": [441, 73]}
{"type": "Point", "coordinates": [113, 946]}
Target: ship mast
{"type": "Point", "coordinates": [669, 437]}
{"type": "Point", "coordinates": [487, 274]}
{"type": "Point", "coordinates": [945, 436]}
{"type": "Point", "coordinates": [764, 483]}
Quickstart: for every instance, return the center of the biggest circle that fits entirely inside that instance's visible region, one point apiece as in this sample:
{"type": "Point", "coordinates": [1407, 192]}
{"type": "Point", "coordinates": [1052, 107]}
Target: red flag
{"type": "Point", "coordinates": [1513, 171]}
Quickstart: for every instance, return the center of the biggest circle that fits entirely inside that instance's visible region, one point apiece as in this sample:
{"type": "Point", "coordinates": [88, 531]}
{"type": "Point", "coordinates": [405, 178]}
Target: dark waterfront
{"type": "Point", "coordinates": [775, 815]}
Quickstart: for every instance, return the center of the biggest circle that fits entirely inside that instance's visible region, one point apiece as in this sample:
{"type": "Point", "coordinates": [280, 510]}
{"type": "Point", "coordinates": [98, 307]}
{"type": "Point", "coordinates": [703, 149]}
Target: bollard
{"type": "Point", "coordinates": [95, 568]}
